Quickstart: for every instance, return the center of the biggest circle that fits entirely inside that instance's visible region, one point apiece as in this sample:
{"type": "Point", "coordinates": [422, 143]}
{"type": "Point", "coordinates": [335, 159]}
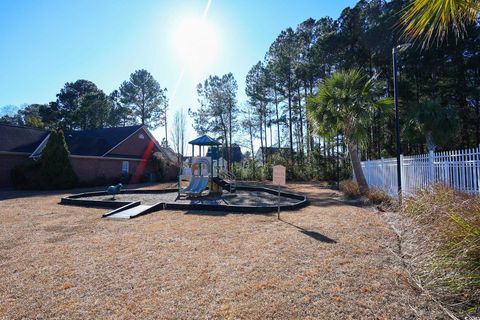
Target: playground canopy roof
{"type": "Point", "coordinates": [205, 141]}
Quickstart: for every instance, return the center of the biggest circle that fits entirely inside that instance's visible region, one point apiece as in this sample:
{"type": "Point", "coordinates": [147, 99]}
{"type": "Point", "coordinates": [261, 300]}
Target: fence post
{"type": "Point", "coordinates": [431, 167]}
{"type": "Point", "coordinates": [382, 184]}
{"type": "Point", "coordinates": [446, 172]}
{"type": "Point", "coordinates": [475, 169]}
{"type": "Point", "coordinates": [402, 176]}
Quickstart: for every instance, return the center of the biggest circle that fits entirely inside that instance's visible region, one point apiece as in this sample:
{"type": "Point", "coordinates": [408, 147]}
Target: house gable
{"type": "Point", "coordinates": [135, 146]}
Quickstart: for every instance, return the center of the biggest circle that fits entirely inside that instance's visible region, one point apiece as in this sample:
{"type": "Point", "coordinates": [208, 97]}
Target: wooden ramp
{"type": "Point", "coordinates": [130, 212]}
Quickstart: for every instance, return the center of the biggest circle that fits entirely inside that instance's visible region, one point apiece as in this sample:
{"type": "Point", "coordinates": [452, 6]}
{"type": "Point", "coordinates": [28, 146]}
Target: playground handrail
{"type": "Point", "coordinates": [227, 175]}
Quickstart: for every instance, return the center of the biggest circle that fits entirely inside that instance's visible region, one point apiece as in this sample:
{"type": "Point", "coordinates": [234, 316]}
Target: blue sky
{"type": "Point", "coordinates": [44, 44]}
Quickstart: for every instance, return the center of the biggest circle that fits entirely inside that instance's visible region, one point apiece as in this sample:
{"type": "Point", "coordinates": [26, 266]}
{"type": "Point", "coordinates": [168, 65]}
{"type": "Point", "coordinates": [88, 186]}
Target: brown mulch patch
{"type": "Point", "coordinates": [328, 260]}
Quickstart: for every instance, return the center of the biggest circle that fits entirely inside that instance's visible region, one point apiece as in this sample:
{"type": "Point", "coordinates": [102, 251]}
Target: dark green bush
{"type": "Point", "coordinates": [26, 175]}
{"type": "Point", "coordinates": [52, 171]}
{"type": "Point", "coordinates": [165, 170]}
{"type": "Point", "coordinates": [124, 179]}
{"type": "Point", "coordinates": [56, 170]}
{"type": "Point", "coordinates": [100, 180]}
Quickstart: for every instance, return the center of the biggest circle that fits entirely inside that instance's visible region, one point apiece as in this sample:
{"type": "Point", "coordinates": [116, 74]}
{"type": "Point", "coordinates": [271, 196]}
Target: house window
{"type": "Point", "coordinates": [141, 136]}
{"type": "Point", "coordinates": [125, 167]}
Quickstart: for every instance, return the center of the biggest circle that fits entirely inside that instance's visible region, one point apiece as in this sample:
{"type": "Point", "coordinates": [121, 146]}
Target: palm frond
{"type": "Point", "coordinates": [346, 100]}
{"type": "Point", "coordinates": [429, 21]}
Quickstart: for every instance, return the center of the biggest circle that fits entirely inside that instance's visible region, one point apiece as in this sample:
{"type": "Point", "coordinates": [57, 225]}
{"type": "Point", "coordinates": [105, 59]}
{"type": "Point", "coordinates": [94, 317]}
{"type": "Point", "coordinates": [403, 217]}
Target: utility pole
{"type": "Point", "coordinates": [395, 51]}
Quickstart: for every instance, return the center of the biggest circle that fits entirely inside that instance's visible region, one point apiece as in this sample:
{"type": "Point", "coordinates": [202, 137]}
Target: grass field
{"type": "Point", "coordinates": [328, 260]}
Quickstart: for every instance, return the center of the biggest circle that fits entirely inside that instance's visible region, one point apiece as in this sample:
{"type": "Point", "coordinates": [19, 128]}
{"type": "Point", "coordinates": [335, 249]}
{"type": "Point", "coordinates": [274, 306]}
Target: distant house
{"type": "Point", "coordinates": [107, 154]}
{"type": "Point", "coordinates": [269, 151]}
{"type": "Point", "coordinates": [237, 155]}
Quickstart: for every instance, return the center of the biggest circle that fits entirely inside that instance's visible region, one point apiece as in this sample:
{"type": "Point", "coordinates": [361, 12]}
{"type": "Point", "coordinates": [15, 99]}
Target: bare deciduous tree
{"type": "Point", "coordinates": [178, 133]}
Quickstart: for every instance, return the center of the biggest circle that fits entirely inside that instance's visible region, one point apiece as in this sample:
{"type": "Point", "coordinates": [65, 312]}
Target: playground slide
{"type": "Point", "coordinates": [198, 188]}
{"type": "Point", "coordinates": [194, 181]}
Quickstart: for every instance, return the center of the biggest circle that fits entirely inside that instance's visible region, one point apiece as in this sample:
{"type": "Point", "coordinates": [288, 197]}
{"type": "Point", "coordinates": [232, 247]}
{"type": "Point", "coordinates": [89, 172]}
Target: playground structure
{"type": "Point", "coordinates": [206, 173]}
{"type": "Point", "coordinates": [210, 188]}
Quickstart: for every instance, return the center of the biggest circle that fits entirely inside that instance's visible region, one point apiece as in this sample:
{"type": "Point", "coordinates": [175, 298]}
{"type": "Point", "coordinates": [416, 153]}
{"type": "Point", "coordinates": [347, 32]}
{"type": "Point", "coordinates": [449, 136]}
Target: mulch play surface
{"type": "Point", "coordinates": [240, 198]}
{"type": "Point", "coordinates": [326, 261]}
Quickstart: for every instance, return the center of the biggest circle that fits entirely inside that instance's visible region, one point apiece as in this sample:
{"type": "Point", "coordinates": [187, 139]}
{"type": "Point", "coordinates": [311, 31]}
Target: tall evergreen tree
{"type": "Point", "coordinates": [256, 89]}
{"type": "Point", "coordinates": [93, 111]}
{"type": "Point", "coordinates": [56, 171]}
{"type": "Point", "coordinates": [218, 109]}
{"type": "Point", "coordinates": [283, 55]}
{"type": "Point", "coordinates": [143, 94]}
{"type": "Point", "coordinates": [68, 102]}
{"type": "Point", "coordinates": [120, 115]}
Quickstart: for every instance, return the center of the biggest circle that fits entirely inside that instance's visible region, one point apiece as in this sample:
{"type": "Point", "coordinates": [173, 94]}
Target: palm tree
{"type": "Point", "coordinates": [429, 21]}
{"type": "Point", "coordinates": [345, 103]}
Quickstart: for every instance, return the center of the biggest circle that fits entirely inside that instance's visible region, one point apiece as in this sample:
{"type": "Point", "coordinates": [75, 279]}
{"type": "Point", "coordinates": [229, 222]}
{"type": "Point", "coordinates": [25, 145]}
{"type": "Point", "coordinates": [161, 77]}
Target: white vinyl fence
{"type": "Point", "coordinates": [458, 169]}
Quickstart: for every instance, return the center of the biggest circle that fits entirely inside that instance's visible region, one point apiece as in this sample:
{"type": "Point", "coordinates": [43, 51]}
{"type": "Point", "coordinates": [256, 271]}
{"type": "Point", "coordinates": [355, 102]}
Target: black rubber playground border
{"type": "Point", "coordinates": [119, 206]}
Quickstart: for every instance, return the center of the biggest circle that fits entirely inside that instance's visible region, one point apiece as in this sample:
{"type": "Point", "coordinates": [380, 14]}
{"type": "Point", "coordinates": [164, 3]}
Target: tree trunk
{"type": "Point", "coordinates": [290, 120]}
{"type": "Point", "coordinates": [227, 147]}
{"type": "Point", "coordinates": [143, 107]}
{"type": "Point", "coordinates": [278, 119]}
{"type": "Point", "coordinates": [264, 150]}
{"type": "Point", "coordinates": [357, 166]}
{"type": "Point", "coordinates": [300, 120]}
{"type": "Point", "coordinates": [251, 147]}
{"type": "Point", "coordinates": [271, 135]}
{"type": "Point", "coordinates": [225, 134]}
{"type": "Point", "coordinates": [329, 158]}
{"type": "Point", "coordinates": [229, 150]}
{"type": "Point", "coordinates": [308, 128]}
{"type": "Point", "coordinates": [324, 143]}
{"type": "Point", "coordinates": [477, 122]}
{"type": "Point", "coordinates": [265, 129]}
{"type": "Point", "coordinates": [166, 131]}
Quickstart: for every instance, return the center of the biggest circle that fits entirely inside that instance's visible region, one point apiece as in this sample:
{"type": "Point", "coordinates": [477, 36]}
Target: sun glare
{"type": "Point", "coordinates": [196, 42]}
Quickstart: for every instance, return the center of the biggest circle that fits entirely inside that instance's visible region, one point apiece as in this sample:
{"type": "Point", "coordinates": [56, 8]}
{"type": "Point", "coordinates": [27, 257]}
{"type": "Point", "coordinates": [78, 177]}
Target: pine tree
{"type": "Point", "coordinates": [56, 171]}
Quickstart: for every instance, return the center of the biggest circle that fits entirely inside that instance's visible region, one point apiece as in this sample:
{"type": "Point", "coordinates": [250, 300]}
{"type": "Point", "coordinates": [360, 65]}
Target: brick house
{"type": "Point", "coordinates": [96, 155]}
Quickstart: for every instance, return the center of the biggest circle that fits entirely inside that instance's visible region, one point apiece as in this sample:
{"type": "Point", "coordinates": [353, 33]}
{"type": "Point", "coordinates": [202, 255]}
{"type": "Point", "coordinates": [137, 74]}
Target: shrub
{"type": "Point", "coordinates": [56, 170]}
{"type": "Point", "coordinates": [164, 169]}
{"type": "Point", "coordinates": [159, 164]}
{"type": "Point", "coordinates": [52, 171]}
{"type": "Point", "coordinates": [451, 222]}
{"type": "Point", "coordinates": [377, 196]}
{"type": "Point", "coordinates": [26, 175]}
{"type": "Point", "coordinates": [100, 180]}
{"type": "Point", "coordinates": [350, 189]}
{"type": "Point", "coordinates": [124, 178]}
{"type": "Point", "coordinates": [250, 171]}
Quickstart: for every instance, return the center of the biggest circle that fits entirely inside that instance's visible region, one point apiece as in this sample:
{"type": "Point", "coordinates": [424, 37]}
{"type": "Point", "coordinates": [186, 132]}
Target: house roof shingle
{"type": "Point", "coordinates": [97, 142]}
{"type": "Point", "coordinates": [20, 139]}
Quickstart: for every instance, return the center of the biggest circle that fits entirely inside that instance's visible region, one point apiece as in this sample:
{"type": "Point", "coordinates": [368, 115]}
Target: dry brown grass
{"type": "Point", "coordinates": [350, 189]}
{"type": "Point", "coordinates": [377, 196]}
{"type": "Point", "coordinates": [328, 261]}
{"type": "Point", "coordinates": [444, 226]}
